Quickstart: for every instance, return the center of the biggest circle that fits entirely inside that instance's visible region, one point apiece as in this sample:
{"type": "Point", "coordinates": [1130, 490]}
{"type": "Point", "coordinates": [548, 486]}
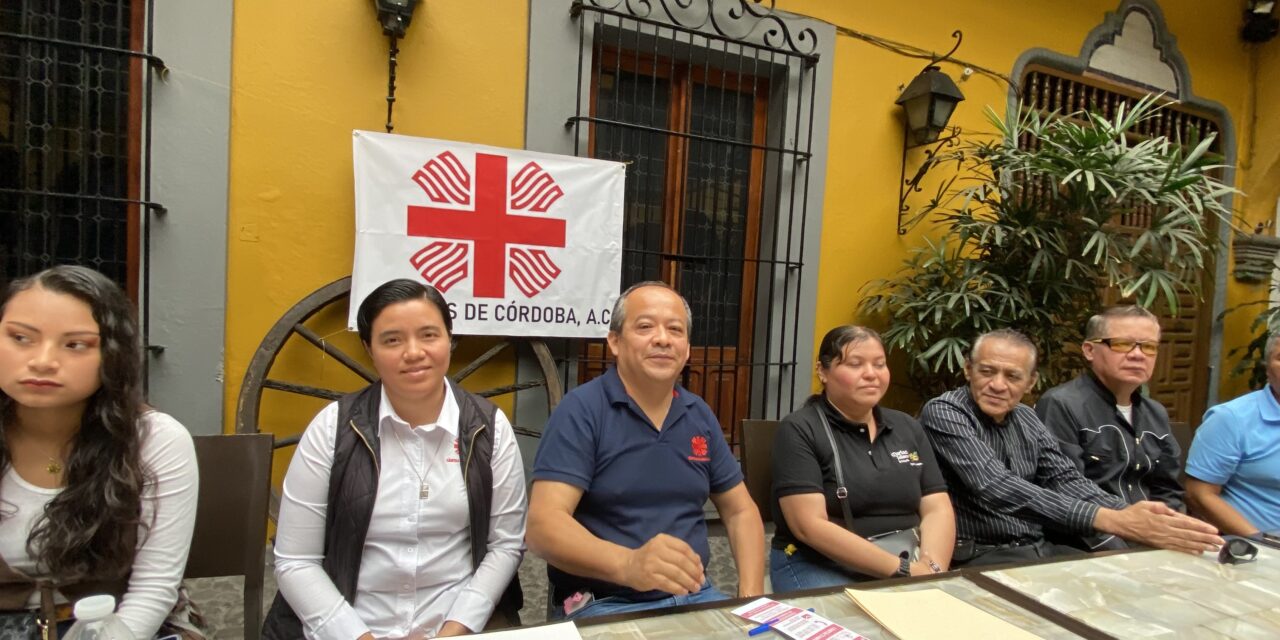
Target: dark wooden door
{"type": "Point", "coordinates": [693, 204]}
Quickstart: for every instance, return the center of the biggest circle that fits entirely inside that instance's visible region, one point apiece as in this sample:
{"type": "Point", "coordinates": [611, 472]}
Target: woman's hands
{"type": "Point", "coordinates": [452, 628]}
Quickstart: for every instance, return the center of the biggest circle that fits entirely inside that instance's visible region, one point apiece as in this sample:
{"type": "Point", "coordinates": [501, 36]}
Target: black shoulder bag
{"type": "Point", "coordinates": [901, 543]}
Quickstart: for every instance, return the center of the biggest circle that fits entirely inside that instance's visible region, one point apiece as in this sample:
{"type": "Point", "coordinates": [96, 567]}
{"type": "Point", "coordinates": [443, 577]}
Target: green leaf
{"type": "Point", "coordinates": [1024, 234]}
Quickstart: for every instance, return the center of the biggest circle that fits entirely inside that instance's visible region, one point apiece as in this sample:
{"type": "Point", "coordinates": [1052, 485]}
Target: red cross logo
{"type": "Point", "coordinates": [699, 446]}
{"type": "Point", "coordinates": [492, 226]}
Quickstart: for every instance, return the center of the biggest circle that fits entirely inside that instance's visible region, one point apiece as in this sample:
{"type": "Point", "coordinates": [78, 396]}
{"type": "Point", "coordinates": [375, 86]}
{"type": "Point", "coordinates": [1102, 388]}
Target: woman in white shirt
{"type": "Point", "coordinates": [403, 511]}
{"type": "Point", "coordinates": [99, 491]}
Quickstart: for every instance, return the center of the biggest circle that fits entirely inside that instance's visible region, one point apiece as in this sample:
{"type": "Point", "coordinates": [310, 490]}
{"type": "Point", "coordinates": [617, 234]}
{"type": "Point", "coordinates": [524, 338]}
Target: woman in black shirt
{"type": "Point", "coordinates": [894, 488]}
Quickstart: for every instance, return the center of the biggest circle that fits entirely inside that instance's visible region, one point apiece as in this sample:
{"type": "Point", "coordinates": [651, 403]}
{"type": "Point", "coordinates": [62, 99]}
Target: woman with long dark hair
{"type": "Point", "coordinates": [98, 491]}
{"type": "Point", "coordinates": [403, 513]}
{"type": "Point", "coordinates": [857, 494]}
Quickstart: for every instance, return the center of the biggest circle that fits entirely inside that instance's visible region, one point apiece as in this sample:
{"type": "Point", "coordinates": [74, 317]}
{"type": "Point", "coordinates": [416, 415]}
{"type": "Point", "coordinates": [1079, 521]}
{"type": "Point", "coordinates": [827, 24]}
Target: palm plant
{"type": "Point", "coordinates": [1252, 362]}
{"type": "Point", "coordinates": [1029, 237]}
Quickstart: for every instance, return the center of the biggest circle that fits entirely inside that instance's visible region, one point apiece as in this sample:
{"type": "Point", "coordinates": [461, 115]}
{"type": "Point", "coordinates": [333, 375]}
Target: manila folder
{"type": "Point", "coordinates": [933, 613]}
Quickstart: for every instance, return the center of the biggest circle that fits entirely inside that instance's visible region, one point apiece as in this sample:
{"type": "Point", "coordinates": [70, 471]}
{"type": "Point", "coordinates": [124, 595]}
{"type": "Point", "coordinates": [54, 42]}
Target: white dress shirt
{"type": "Point", "coordinates": [415, 571]}
{"type": "Point", "coordinates": [168, 453]}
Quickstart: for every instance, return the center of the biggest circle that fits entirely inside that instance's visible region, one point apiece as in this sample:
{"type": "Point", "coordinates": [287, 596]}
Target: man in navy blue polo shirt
{"type": "Point", "coordinates": [626, 463]}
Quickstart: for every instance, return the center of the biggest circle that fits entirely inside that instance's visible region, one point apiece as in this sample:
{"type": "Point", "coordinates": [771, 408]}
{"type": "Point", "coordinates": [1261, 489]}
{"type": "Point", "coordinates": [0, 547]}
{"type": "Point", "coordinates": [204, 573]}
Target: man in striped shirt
{"type": "Point", "coordinates": [1009, 480]}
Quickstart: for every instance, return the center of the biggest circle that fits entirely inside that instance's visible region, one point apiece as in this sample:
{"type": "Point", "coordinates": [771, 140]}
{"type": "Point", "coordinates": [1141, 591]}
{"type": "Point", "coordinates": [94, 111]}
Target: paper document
{"type": "Point", "coordinates": [793, 622]}
{"type": "Point", "coordinates": [934, 613]}
{"type": "Point", "coordinates": [562, 631]}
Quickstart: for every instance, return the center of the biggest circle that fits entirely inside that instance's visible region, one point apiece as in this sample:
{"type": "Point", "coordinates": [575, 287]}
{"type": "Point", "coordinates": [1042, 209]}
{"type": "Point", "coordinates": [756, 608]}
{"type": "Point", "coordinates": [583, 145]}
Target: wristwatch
{"type": "Point", "coordinates": [904, 568]}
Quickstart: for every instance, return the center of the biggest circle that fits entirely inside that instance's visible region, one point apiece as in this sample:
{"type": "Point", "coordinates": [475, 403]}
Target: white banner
{"type": "Point", "coordinates": [520, 243]}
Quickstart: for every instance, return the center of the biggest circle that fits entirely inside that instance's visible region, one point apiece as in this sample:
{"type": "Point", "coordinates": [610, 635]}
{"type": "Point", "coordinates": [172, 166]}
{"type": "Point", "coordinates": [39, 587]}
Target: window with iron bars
{"type": "Point", "coordinates": [715, 131]}
{"type": "Point", "coordinates": [70, 124]}
{"type": "Point", "coordinates": [1180, 381]}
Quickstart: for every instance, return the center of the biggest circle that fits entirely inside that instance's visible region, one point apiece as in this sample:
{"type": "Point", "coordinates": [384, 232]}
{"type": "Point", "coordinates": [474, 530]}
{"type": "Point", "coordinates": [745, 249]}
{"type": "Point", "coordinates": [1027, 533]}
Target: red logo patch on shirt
{"type": "Point", "coordinates": [699, 446]}
{"type": "Point", "coordinates": [455, 457]}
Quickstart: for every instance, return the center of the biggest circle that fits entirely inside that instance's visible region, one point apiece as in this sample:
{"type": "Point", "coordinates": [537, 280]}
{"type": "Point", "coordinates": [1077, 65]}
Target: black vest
{"type": "Point", "coordinates": [353, 483]}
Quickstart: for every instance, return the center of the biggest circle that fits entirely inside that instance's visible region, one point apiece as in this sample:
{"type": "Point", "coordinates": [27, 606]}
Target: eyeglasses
{"type": "Point", "coordinates": [1237, 550]}
{"type": "Point", "coordinates": [1120, 345]}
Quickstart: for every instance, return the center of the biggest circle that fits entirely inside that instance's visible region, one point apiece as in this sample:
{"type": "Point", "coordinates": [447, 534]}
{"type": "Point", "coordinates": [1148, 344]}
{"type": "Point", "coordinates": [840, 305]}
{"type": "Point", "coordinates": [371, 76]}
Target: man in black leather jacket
{"type": "Point", "coordinates": [1119, 438]}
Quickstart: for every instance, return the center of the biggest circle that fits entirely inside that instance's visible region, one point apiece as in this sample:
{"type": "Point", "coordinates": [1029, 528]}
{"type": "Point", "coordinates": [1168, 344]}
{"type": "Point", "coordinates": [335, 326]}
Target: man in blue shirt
{"type": "Point", "coordinates": [1233, 470]}
{"type": "Point", "coordinates": [625, 465]}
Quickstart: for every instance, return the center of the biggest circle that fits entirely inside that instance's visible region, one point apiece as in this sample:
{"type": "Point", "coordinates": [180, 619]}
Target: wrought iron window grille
{"type": "Point", "coordinates": [710, 105]}
{"type": "Point", "coordinates": [75, 139]}
{"type": "Point", "coordinates": [739, 22]}
{"type": "Point", "coordinates": [153, 61]}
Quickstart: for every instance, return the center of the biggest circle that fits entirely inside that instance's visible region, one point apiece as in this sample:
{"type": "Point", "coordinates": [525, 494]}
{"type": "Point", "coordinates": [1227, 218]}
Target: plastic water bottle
{"type": "Point", "coordinates": [96, 619]}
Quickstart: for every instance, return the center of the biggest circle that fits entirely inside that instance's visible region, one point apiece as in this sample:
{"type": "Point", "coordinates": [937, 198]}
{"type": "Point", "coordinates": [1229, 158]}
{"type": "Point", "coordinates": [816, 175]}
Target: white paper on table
{"type": "Point", "coordinates": [794, 622]}
{"type": "Point", "coordinates": [561, 631]}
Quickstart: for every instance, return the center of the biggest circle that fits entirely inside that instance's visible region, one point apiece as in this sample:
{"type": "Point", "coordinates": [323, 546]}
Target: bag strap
{"type": "Point", "coordinates": [842, 491]}
{"type": "Point", "coordinates": [48, 613]}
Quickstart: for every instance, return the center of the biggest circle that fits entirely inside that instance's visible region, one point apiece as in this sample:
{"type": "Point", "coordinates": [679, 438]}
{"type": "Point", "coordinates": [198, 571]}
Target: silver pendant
{"type": "Point", "coordinates": [425, 492]}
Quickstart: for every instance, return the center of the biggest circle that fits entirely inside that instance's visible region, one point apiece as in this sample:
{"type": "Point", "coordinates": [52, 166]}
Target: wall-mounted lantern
{"type": "Point", "coordinates": [394, 16]}
{"type": "Point", "coordinates": [927, 102]}
{"type": "Point", "coordinates": [1260, 23]}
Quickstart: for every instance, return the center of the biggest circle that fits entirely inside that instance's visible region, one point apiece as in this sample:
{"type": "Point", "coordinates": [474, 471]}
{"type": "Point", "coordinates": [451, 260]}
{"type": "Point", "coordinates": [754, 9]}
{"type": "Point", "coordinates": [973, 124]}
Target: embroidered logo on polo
{"type": "Point", "coordinates": [907, 457]}
{"type": "Point", "coordinates": [454, 457]}
{"type": "Point", "coordinates": [698, 446]}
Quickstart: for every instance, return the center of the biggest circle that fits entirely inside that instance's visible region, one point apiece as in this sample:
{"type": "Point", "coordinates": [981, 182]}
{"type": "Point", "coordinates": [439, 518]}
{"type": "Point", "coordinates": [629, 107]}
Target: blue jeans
{"type": "Point", "coordinates": [807, 571]}
{"type": "Point", "coordinates": [618, 604]}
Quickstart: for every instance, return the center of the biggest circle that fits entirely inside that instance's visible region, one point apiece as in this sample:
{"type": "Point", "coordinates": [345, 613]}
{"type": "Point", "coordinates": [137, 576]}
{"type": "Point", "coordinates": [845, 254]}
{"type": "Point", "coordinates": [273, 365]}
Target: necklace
{"type": "Point", "coordinates": [424, 489]}
{"type": "Point", "coordinates": [54, 465]}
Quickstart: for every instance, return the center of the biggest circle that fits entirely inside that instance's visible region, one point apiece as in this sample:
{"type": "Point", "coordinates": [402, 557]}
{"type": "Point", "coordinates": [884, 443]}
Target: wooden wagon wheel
{"type": "Point", "coordinates": [332, 299]}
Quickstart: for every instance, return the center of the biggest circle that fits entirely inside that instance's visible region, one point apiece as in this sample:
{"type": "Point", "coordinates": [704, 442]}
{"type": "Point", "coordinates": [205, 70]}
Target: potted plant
{"type": "Point", "coordinates": [1028, 237]}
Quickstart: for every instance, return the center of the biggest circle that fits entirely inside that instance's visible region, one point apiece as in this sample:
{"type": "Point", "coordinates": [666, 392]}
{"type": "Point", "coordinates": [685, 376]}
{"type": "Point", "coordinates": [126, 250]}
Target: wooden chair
{"type": "Point", "coordinates": [757, 462]}
{"type": "Point", "coordinates": [231, 515]}
{"type": "Point", "coordinates": [1183, 434]}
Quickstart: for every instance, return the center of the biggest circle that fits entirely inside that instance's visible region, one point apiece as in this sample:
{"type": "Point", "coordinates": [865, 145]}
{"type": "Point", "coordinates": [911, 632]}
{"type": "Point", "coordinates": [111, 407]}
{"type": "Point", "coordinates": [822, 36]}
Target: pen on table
{"type": "Point", "coordinates": [766, 625]}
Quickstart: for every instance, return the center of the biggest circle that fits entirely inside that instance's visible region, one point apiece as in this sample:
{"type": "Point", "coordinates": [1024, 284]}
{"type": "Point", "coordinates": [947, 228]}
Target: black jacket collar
{"type": "Point", "coordinates": [1096, 385]}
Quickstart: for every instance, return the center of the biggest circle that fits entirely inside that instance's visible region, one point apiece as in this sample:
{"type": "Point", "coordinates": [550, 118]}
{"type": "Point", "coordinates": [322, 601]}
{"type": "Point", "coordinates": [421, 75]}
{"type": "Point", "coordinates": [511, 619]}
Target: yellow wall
{"type": "Point", "coordinates": [303, 79]}
{"type": "Point", "coordinates": [865, 143]}
{"type": "Point", "coordinates": [1259, 164]}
